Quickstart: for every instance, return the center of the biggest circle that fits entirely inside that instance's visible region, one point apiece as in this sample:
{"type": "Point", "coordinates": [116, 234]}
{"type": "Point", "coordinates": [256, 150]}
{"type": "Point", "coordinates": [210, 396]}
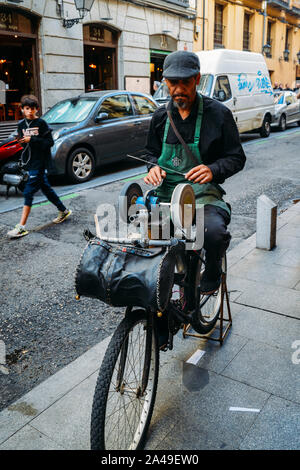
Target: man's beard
{"type": "Point", "coordinates": [182, 104]}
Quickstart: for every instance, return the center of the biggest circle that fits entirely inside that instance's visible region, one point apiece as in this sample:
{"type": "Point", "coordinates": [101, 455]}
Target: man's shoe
{"type": "Point", "coordinates": [62, 215]}
{"type": "Point", "coordinates": [208, 287]}
{"type": "Point", "coordinates": [17, 232]}
{"type": "Point", "coordinates": [211, 279]}
{"type": "Point", "coordinates": [163, 332]}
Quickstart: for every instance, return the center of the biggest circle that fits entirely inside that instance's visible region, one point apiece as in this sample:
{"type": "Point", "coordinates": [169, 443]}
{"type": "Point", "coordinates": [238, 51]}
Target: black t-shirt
{"type": "Point", "coordinates": [37, 152]}
{"type": "Point", "coordinates": [220, 146]}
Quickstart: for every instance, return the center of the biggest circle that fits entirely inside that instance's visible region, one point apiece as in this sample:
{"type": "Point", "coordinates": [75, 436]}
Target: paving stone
{"type": "Point", "coordinates": [291, 258]}
{"type": "Point", "coordinates": [267, 368]}
{"type": "Point", "coordinates": [265, 296]}
{"type": "Point", "coordinates": [192, 437]}
{"type": "Point", "coordinates": [207, 410]}
{"type": "Point", "coordinates": [29, 438]}
{"type": "Point", "coordinates": [259, 266]}
{"type": "Point", "coordinates": [287, 242]}
{"type": "Point", "coordinates": [290, 230]}
{"type": "Point", "coordinates": [270, 328]}
{"type": "Point", "coordinates": [276, 428]}
{"type": "Point", "coordinates": [68, 420]}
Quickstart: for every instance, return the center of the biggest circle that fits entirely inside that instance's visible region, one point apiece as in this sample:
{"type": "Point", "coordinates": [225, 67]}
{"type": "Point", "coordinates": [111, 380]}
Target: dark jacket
{"type": "Point", "coordinates": [220, 146]}
{"type": "Point", "coordinates": [36, 154]}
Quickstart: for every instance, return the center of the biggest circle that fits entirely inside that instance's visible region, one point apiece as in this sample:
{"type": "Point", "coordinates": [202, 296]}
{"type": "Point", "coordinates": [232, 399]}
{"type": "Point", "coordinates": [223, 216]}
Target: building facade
{"type": "Point", "coordinates": [118, 45]}
{"type": "Point", "coordinates": [271, 27]}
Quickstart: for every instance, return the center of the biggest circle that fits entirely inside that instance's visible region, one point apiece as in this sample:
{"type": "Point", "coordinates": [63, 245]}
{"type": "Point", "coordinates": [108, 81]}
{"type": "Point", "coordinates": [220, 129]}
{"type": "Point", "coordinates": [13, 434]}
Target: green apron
{"type": "Point", "coordinates": [173, 156]}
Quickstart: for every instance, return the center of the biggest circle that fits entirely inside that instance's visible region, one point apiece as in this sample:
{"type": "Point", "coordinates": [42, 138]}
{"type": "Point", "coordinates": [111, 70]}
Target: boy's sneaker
{"type": "Point", "coordinates": [62, 215]}
{"type": "Point", "coordinates": [18, 231]}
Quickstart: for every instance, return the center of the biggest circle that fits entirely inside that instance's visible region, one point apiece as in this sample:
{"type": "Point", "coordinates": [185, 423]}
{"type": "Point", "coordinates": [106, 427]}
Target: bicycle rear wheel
{"type": "Point", "coordinates": [126, 387]}
{"type": "Point", "coordinates": [206, 315]}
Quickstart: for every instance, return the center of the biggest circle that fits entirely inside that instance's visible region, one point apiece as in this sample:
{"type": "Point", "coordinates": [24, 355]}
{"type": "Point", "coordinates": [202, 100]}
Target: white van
{"type": "Point", "coordinates": [241, 81]}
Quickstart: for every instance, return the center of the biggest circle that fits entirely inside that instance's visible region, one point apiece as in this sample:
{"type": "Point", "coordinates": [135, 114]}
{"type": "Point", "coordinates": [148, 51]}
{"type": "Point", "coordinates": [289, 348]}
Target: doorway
{"type": "Point", "coordinates": [100, 57]}
{"type": "Point", "coordinates": [156, 68]}
{"type": "Point", "coordinates": [17, 71]}
{"type": "Point", "coordinates": [99, 67]}
{"type": "Point", "coordinates": [19, 74]}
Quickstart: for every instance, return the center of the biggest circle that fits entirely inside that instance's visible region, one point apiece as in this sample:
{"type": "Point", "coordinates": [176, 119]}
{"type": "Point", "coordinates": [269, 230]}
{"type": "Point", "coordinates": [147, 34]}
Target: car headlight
{"type": "Point", "coordinates": [55, 135]}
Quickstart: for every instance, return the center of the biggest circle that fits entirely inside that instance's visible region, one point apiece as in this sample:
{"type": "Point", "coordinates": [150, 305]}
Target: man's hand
{"type": "Point", "coordinates": [155, 176]}
{"type": "Point", "coordinates": [200, 174]}
{"type": "Point", "coordinates": [25, 139]}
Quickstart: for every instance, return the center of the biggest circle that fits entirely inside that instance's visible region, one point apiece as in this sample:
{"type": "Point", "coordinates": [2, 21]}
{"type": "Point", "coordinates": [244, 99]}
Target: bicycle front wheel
{"type": "Point", "coordinates": [126, 387]}
{"type": "Point", "coordinates": [206, 315]}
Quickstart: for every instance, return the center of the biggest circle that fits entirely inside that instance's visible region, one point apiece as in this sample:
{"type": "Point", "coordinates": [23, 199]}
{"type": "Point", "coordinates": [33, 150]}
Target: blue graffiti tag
{"type": "Point", "coordinates": [244, 83]}
{"type": "Point", "coordinates": [261, 83]}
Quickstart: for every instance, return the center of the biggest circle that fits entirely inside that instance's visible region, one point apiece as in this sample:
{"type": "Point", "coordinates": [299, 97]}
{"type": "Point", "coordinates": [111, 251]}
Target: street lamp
{"type": "Point", "coordinates": [286, 54]}
{"type": "Point", "coordinates": [266, 49]}
{"type": "Point", "coordinates": [82, 6]}
{"type": "Point", "coordinates": [298, 57]}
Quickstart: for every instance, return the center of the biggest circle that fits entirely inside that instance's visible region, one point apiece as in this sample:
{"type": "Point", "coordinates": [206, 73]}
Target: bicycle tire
{"type": "Point", "coordinates": [118, 346]}
{"type": "Point", "coordinates": [205, 317]}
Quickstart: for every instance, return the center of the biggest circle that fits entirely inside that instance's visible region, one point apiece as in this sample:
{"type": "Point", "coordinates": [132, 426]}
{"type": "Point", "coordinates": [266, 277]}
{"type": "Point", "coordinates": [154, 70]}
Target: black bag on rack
{"type": "Point", "coordinates": [125, 275]}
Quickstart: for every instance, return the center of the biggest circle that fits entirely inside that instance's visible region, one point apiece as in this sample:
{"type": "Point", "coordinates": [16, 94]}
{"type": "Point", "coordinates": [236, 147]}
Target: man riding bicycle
{"type": "Point", "coordinates": [214, 153]}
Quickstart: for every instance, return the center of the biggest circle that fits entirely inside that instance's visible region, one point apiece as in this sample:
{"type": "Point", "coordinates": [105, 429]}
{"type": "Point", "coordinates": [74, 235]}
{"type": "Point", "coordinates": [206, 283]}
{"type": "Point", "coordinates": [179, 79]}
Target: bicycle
{"type": "Point", "coordinates": [126, 387]}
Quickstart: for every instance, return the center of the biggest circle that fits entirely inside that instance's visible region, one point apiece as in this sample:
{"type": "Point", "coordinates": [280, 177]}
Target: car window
{"type": "Point", "coordinates": [289, 99]}
{"type": "Point", "coordinates": [143, 105]}
{"type": "Point", "coordinates": [162, 93]}
{"type": "Point", "coordinates": [69, 111]}
{"type": "Point", "coordinates": [222, 84]}
{"type": "Point", "coordinates": [205, 84]}
{"type": "Point", "coordinates": [116, 106]}
{"type": "Point", "coordinates": [294, 98]}
{"type": "Point", "coordinates": [279, 98]}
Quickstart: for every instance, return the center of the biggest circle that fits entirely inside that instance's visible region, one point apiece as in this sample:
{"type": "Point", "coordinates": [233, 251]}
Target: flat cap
{"type": "Point", "coordinates": [181, 64]}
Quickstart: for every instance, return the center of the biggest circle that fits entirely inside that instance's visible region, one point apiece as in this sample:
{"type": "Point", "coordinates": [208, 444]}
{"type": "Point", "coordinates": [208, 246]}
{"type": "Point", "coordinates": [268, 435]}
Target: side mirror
{"type": "Point", "coordinates": [221, 96]}
{"type": "Point", "coordinates": [101, 117]}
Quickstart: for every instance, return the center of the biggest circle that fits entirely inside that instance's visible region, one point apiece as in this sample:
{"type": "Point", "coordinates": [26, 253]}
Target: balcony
{"type": "Point", "coordinates": [291, 7]}
{"type": "Point", "coordinates": [279, 4]}
{"type": "Point", "coordinates": [180, 3]}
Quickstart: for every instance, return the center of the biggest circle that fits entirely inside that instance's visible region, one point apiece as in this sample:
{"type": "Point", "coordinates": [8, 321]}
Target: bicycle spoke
{"type": "Point", "coordinates": [126, 407]}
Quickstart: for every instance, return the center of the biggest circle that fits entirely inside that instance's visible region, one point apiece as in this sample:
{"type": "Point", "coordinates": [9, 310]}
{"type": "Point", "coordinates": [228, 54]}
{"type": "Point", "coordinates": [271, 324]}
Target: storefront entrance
{"type": "Point", "coordinates": [156, 68]}
{"type": "Point", "coordinates": [100, 58]}
{"type": "Point", "coordinates": [18, 63]}
{"type": "Point", "coordinates": [160, 46]}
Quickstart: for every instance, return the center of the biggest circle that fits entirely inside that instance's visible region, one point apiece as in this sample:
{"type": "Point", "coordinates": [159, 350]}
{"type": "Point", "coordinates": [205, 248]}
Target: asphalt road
{"type": "Point", "coordinates": [42, 326]}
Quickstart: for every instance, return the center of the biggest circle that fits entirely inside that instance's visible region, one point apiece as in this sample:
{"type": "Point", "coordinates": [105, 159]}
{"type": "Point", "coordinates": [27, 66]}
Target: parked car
{"type": "Point", "coordinates": [97, 128]}
{"type": "Point", "coordinates": [287, 109]}
{"type": "Point", "coordinates": [241, 81]}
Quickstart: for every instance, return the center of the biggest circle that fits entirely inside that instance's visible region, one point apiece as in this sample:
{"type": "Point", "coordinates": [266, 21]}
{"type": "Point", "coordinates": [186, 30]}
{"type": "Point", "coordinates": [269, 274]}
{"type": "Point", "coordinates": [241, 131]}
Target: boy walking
{"type": "Point", "coordinates": [36, 139]}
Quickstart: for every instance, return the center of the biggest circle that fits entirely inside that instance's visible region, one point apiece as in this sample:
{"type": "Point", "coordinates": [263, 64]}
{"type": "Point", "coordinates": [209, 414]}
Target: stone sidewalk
{"type": "Point", "coordinates": [243, 395]}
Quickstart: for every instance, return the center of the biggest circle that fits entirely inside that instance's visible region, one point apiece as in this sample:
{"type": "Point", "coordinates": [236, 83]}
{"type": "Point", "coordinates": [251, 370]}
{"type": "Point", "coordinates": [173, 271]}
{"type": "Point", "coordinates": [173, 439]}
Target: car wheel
{"type": "Point", "coordinates": [81, 165]}
{"type": "Point", "coordinates": [265, 129]}
{"type": "Point", "coordinates": [282, 123]}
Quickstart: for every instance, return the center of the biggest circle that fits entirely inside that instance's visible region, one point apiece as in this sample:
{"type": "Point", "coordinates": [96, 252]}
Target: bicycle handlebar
{"type": "Point", "coordinates": [145, 242]}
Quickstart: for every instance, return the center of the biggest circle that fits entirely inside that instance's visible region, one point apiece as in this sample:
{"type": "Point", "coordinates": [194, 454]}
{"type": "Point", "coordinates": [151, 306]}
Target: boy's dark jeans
{"type": "Point", "coordinates": [38, 180]}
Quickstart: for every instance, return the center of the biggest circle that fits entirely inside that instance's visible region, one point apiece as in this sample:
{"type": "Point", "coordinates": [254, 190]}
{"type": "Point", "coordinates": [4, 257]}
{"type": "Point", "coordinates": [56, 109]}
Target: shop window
{"type": "Point", "coordinates": [117, 106]}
